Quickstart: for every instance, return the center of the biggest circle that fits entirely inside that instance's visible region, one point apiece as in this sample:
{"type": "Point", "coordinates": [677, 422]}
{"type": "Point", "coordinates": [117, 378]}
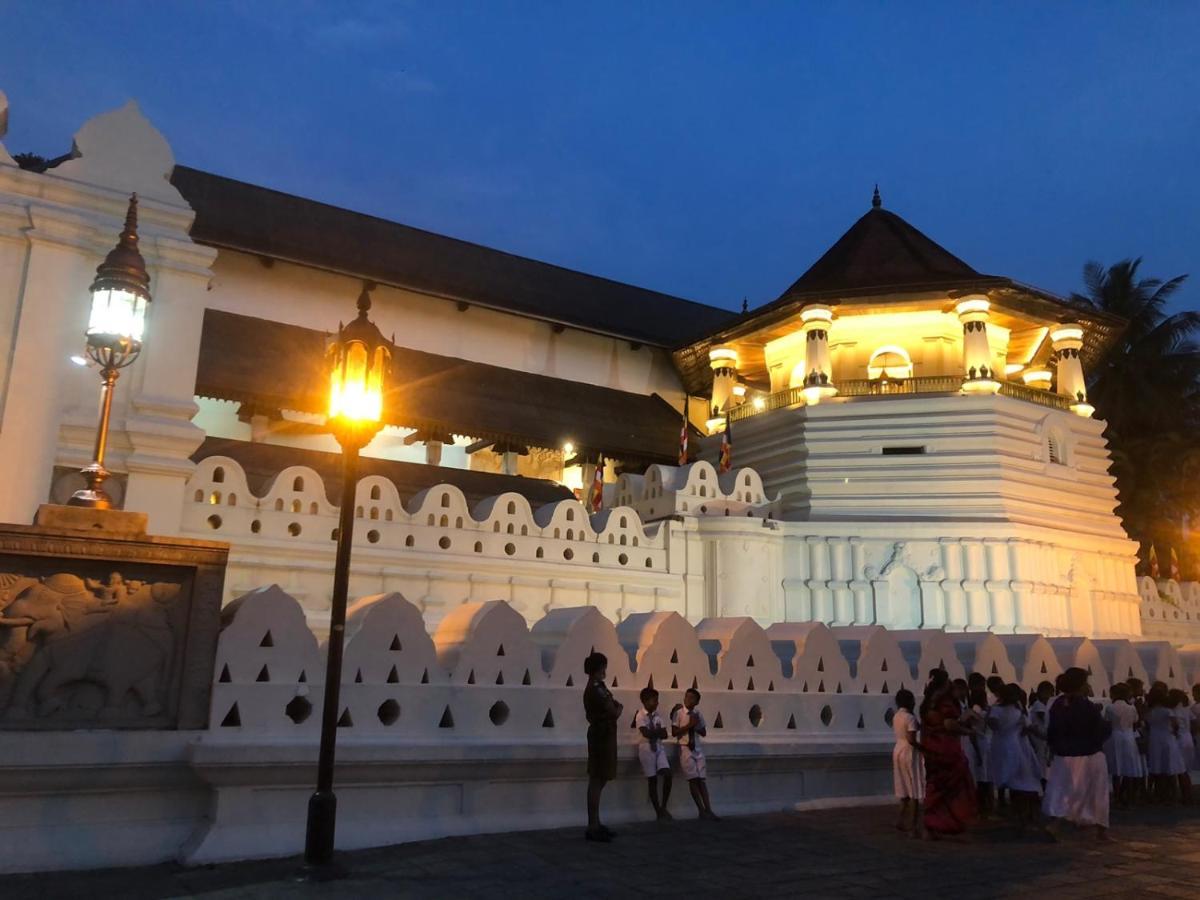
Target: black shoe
{"type": "Point", "coordinates": [607, 832]}
{"type": "Point", "coordinates": [597, 835]}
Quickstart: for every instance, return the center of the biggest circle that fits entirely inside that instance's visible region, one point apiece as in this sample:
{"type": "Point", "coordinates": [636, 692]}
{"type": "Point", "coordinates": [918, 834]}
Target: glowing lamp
{"type": "Point", "coordinates": [360, 361]}
{"type": "Point", "coordinates": [360, 365]}
{"type": "Point", "coordinates": [116, 326]}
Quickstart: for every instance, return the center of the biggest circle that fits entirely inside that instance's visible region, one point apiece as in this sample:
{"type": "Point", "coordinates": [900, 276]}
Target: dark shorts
{"type": "Point", "coordinates": [602, 752]}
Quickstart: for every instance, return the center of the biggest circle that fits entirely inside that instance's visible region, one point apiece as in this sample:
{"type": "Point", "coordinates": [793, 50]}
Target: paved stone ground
{"type": "Point", "coordinates": [843, 854]}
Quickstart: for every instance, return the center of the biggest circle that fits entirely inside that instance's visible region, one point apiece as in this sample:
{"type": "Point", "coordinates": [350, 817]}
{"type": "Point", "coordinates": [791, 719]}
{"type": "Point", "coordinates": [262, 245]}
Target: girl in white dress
{"type": "Point", "coordinates": [1178, 701]}
{"type": "Point", "coordinates": [1196, 727]}
{"type": "Point", "coordinates": [1121, 748]}
{"type": "Point", "coordinates": [980, 750]}
{"type": "Point", "coordinates": [1012, 763]}
{"type": "Point", "coordinates": [908, 768]}
{"type": "Point", "coordinates": [1163, 755]}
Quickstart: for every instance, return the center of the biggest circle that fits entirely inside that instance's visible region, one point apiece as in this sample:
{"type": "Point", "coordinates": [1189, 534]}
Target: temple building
{"type": "Point", "coordinates": [912, 440]}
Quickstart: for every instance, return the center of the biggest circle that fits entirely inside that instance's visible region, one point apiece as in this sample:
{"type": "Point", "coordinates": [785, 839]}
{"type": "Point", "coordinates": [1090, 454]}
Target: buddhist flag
{"type": "Point", "coordinates": [726, 449]}
{"type": "Point", "coordinates": [596, 494]}
{"type": "Point", "coordinates": [1174, 565]}
{"type": "Point", "coordinates": [1154, 573]}
{"type": "Point", "coordinates": [683, 433]}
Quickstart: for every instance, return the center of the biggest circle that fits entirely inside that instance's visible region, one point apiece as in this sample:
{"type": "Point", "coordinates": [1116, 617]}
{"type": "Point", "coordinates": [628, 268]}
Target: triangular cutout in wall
{"type": "Point", "coordinates": [395, 645]}
{"type": "Point", "coordinates": [263, 674]}
{"type": "Point", "coordinates": [548, 721]}
{"type": "Point", "coordinates": [447, 720]}
{"type": "Point", "coordinates": [267, 640]}
{"type": "Point", "coordinates": [345, 721]}
{"type": "Point", "coordinates": [393, 676]}
{"type": "Point", "coordinates": [225, 677]}
{"type": "Point", "coordinates": [718, 722]}
{"type": "Point", "coordinates": [792, 721]}
{"type": "Point", "coordinates": [233, 718]}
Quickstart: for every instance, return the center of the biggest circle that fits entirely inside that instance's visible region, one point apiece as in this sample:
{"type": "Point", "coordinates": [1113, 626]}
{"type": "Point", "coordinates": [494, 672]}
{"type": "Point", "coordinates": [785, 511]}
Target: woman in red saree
{"type": "Point", "coordinates": [950, 802]}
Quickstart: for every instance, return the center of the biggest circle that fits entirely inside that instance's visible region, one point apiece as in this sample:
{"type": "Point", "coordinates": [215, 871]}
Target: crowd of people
{"type": "Point", "coordinates": [976, 745]}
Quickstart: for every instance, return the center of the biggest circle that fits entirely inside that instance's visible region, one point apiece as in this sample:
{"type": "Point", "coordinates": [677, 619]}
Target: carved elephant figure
{"type": "Point", "coordinates": [121, 648]}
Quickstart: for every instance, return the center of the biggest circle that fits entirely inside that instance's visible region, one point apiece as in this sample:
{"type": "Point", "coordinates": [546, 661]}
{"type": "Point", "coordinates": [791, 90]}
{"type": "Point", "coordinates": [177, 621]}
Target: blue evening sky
{"type": "Point", "coordinates": [710, 150]}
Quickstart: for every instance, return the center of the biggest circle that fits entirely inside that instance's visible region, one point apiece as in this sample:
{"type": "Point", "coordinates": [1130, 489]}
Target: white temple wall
{"type": "Point", "coordinates": [702, 564]}
{"type": "Point", "coordinates": [55, 228]}
{"type": "Point", "coordinates": [319, 300]}
{"type": "Point", "coordinates": [475, 725]}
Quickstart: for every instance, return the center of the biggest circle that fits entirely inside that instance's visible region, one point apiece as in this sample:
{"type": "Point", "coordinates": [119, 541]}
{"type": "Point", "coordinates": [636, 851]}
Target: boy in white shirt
{"type": "Point", "coordinates": [689, 727]}
{"type": "Point", "coordinates": [652, 753]}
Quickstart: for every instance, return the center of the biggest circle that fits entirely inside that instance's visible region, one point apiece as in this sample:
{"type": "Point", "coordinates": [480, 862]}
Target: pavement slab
{"type": "Point", "coordinates": [837, 853]}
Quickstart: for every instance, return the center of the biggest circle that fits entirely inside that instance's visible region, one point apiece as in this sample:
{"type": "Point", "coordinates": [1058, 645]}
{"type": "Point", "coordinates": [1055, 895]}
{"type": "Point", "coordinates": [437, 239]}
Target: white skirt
{"type": "Point", "coordinates": [1077, 790]}
{"type": "Point", "coordinates": [1165, 756]}
{"type": "Point", "coordinates": [908, 772]}
{"type": "Point", "coordinates": [1124, 760]}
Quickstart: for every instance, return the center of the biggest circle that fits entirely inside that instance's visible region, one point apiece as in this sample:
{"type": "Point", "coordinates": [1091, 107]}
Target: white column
{"type": "Point", "coordinates": [1068, 341]}
{"type": "Point", "coordinates": [508, 462]}
{"type": "Point", "coordinates": [433, 453]}
{"type": "Point", "coordinates": [724, 363]}
{"type": "Point", "coordinates": [818, 378]}
{"type": "Point", "coordinates": [979, 376]}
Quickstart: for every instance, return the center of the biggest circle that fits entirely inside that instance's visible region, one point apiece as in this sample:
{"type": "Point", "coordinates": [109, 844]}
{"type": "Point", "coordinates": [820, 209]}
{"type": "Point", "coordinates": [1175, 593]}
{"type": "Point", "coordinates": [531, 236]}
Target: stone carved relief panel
{"type": "Point", "coordinates": [90, 642]}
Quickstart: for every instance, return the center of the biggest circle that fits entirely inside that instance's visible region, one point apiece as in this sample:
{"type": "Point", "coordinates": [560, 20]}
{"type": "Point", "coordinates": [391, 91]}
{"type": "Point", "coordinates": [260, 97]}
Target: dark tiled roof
{"type": "Point", "coordinates": [269, 223]}
{"type": "Point", "coordinates": [882, 252]}
{"type": "Point", "coordinates": [262, 462]}
{"type": "Point", "coordinates": [279, 366]}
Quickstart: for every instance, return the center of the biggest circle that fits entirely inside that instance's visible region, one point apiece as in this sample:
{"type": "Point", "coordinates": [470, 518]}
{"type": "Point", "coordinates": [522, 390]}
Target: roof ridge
{"type": "Point", "coordinates": [457, 240]}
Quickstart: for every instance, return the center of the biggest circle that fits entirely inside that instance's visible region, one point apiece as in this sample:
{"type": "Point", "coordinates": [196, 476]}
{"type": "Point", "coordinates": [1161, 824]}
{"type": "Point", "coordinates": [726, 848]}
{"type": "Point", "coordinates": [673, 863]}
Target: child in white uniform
{"type": "Point", "coordinates": [1182, 714]}
{"type": "Point", "coordinates": [1039, 721]}
{"type": "Point", "coordinates": [1121, 749]}
{"type": "Point", "coordinates": [1164, 756]}
{"type": "Point", "coordinates": [689, 727]}
{"type": "Point", "coordinates": [908, 768]}
{"type": "Point", "coordinates": [652, 752]}
{"type": "Point", "coordinates": [1012, 763]}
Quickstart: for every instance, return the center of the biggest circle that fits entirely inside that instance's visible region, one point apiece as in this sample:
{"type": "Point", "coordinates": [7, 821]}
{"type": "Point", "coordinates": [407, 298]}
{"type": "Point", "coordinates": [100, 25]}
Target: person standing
{"type": "Point", "coordinates": [950, 802]}
{"type": "Point", "coordinates": [908, 771]}
{"type": "Point", "coordinates": [1121, 749]}
{"type": "Point", "coordinates": [1078, 787]}
{"type": "Point", "coordinates": [602, 711]}
{"type": "Point", "coordinates": [1013, 763]}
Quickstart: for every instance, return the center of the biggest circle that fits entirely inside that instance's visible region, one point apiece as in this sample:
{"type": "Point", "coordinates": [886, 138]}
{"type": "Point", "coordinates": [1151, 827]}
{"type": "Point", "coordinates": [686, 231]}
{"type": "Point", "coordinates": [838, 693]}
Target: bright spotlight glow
{"type": "Point", "coordinates": [568, 448]}
{"type": "Point", "coordinates": [79, 360]}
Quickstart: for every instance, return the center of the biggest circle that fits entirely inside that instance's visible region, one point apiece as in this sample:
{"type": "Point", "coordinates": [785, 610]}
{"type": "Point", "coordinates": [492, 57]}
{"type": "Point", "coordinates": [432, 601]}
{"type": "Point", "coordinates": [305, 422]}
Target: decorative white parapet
{"type": "Point", "coordinates": [479, 726]}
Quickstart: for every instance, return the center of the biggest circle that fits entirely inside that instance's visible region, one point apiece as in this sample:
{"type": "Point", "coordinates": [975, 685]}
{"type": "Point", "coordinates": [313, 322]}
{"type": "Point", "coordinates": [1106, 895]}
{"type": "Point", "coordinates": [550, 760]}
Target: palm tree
{"type": "Point", "coordinates": [1147, 388]}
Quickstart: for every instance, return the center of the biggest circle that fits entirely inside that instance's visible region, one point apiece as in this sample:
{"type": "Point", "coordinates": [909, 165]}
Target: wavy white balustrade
{"type": "Point", "coordinates": [483, 675]}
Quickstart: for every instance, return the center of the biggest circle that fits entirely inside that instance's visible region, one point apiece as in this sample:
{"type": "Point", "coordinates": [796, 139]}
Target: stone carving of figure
{"type": "Point", "coordinates": [63, 638]}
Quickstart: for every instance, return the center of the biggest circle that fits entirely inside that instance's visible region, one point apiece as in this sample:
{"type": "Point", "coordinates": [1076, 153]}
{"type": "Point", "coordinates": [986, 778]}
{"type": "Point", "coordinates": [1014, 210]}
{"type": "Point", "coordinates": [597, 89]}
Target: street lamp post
{"type": "Point", "coordinates": [360, 360]}
{"type": "Point", "coordinates": [120, 298]}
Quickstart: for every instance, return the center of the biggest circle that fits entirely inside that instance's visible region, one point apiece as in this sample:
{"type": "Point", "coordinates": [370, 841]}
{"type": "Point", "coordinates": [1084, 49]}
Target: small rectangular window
{"type": "Point", "coordinates": [902, 451]}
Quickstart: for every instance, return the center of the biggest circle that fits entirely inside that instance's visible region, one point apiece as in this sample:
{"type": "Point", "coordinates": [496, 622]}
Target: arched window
{"type": "Point", "coordinates": [890, 362]}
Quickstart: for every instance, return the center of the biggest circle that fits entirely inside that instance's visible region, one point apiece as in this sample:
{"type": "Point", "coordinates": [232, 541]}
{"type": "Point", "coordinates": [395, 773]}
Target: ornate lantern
{"type": "Point", "coordinates": [116, 326]}
{"type": "Point", "coordinates": [360, 361]}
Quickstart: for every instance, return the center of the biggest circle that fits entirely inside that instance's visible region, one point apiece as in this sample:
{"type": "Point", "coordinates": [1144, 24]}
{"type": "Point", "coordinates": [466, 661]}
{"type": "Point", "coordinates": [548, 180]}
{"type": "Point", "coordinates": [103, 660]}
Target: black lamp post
{"type": "Point", "coordinates": [120, 298]}
{"type": "Point", "coordinates": [360, 360]}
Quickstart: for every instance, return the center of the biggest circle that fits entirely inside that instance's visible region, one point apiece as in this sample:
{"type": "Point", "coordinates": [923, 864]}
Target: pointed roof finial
{"type": "Point", "coordinates": [124, 268]}
{"type": "Point", "coordinates": [876, 201]}
{"type": "Point", "coordinates": [745, 306]}
{"type": "Point", "coordinates": [364, 299]}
